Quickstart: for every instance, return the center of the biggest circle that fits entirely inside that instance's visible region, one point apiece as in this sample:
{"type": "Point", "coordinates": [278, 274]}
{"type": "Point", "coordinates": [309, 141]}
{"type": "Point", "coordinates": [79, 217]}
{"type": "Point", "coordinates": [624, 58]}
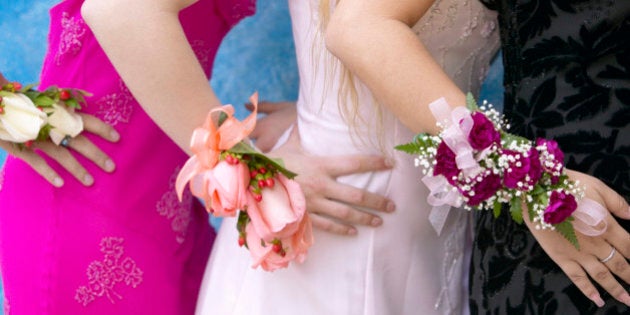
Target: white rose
{"type": "Point", "coordinates": [21, 120]}
{"type": "Point", "coordinates": [64, 122]}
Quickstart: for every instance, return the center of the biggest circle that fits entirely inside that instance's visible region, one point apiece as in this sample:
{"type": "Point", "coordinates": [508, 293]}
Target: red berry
{"type": "Point", "coordinates": [0, 99]}
{"type": "Point", "coordinates": [269, 182]}
{"type": "Point", "coordinates": [282, 253]}
{"type": "Point", "coordinates": [17, 86]}
{"type": "Point", "coordinates": [262, 170]}
{"type": "Point", "coordinates": [258, 197]}
{"type": "Point", "coordinates": [262, 183]}
{"type": "Point", "coordinates": [253, 174]}
{"type": "Point", "coordinates": [277, 247]}
{"type": "Point", "coordinates": [241, 241]}
{"type": "Point", "coordinates": [64, 95]}
{"type": "Point", "coordinates": [1, 110]}
{"type": "Point", "coordinates": [28, 144]}
{"type": "Point", "coordinates": [40, 108]}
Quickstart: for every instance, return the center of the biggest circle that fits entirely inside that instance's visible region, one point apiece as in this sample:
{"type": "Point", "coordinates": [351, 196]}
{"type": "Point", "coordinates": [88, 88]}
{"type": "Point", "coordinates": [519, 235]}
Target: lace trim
{"type": "Point", "coordinates": [71, 37]}
{"type": "Point", "coordinates": [453, 260]}
{"type": "Point", "coordinates": [180, 213]}
{"type": "Point", "coordinates": [202, 52]}
{"type": "Point", "coordinates": [105, 275]}
{"type": "Point", "coordinates": [116, 107]}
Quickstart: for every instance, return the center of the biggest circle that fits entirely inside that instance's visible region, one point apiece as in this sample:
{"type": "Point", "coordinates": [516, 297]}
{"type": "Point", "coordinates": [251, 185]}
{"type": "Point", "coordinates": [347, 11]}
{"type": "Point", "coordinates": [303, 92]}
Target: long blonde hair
{"type": "Point", "coordinates": [348, 97]}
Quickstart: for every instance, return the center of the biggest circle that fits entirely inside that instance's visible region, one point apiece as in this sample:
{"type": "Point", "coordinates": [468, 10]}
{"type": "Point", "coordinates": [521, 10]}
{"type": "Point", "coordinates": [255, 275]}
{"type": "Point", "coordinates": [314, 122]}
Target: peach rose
{"type": "Point", "coordinates": [280, 252]}
{"type": "Point", "coordinates": [223, 188]}
{"type": "Point", "coordinates": [280, 211]}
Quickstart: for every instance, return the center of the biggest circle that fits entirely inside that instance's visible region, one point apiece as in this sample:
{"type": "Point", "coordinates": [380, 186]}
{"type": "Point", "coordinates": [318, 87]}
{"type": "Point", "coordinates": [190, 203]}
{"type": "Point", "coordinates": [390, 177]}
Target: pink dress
{"type": "Point", "coordinates": [124, 245]}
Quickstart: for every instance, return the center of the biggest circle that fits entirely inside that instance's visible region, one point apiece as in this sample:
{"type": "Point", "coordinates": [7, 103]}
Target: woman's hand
{"type": "Point", "coordinates": [279, 117]}
{"type": "Point", "coordinates": [62, 154]}
{"type": "Point", "coordinates": [334, 206]}
{"type": "Point", "coordinates": [579, 265]}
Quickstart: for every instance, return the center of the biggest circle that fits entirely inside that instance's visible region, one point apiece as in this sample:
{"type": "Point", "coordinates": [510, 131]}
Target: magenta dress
{"type": "Point", "coordinates": [125, 245]}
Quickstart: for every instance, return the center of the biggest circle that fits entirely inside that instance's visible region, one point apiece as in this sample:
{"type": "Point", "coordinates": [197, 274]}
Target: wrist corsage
{"type": "Point", "coordinates": [475, 163]}
{"type": "Point", "coordinates": [27, 115]}
{"type": "Point", "coordinates": [236, 180]}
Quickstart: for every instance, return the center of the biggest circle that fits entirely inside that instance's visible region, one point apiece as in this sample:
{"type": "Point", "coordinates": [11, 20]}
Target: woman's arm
{"type": "Point", "coordinates": [145, 42]}
{"type": "Point", "coordinates": [374, 40]}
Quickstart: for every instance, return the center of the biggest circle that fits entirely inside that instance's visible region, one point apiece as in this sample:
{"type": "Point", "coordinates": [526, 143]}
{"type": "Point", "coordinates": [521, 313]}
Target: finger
{"type": "Point", "coordinates": [618, 265]}
{"type": "Point", "coordinates": [39, 165]}
{"type": "Point", "coordinates": [86, 148]}
{"type": "Point", "coordinates": [614, 202]}
{"type": "Point", "coordinates": [358, 197]}
{"type": "Point", "coordinates": [601, 274]}
{"type": "Point", "coordinates": [98, 127]}
{"type": "Point", "coordinates": [266, 107]}
{"type": "Point", "coordinates": [618, 237]}
{"type": "Point", "coordinates": [578, 276]}
{"type": "Point", "coordinates": [331, 226]}
{"type": "Point", "coordinates": [343, 212]}
{"type": "Point", "coordinates": [67, 161]}
{"type": "Point", "coordinates": [352, 164]}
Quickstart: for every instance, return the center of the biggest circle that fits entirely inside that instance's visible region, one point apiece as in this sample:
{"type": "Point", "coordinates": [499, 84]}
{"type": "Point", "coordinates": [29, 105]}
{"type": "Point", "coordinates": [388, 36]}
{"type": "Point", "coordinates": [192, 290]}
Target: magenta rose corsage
{"type": "Point", "coordinates": [474, 163]}
{"type": "Point", "coordinates": [234, 179]}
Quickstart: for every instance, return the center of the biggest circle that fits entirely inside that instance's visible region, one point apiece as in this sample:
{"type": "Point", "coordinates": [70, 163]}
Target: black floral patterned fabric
{"type": "Point", "coordinates": [567, 77]}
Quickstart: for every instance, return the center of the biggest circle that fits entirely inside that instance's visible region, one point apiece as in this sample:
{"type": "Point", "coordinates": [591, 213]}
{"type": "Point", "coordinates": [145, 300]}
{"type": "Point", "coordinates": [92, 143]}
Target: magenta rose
{"type": "Point", "coordinates": [483, 190]}
{"type": "Point", "coordinates": [557, 163]}
{"type": "Point", "coordinates": [445, 163]}
{"type": "Point", "coordinates": [561, 206]}
{"type": "Point", "coordinates": [521, 168]}
{"type": "Point", "coordinates": [483, 134]}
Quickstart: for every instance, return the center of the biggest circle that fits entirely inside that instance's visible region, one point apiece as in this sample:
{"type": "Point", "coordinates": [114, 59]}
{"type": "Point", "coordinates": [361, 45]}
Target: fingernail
{"type": "Point", "coordinates": [625, 298]}
{"type": "Point", "coordinates": [114, 135]}
{"type": "Point", "coordinates": [597, 300]}
{"type": "Point", "coordinates": [109, 165]}
{"type": "Point", "coordinates": [88, 180]}
{"type": "Point", "coordinates": [352, 232]}
{"type": "Point", "coordinates": [376, 222]}
{"type": "Point", "coordinates": [57, 182]}
{"type": "Point", "coordinates": [391, 206]}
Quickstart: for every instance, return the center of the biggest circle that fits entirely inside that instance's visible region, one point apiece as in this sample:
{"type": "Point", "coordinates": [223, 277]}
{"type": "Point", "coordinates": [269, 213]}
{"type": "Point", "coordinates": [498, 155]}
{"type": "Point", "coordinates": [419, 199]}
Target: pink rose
{"type": "Point", "coordinates": [482, 190]}
{"type": "Point", "coordinates": [561, 206]}
{"type": "Point", "coordinates": [226, 187]}
{"type": "Point", "coordinates": [446, 164]}
{"type": "Point", "coordinates": [279, 252]}
{"type": "Point", "coordinates": [483, 134]}
{"type": "Point", "coordinates": [521, 168]}
{"type": "Point", "coordinates": [280, 211]}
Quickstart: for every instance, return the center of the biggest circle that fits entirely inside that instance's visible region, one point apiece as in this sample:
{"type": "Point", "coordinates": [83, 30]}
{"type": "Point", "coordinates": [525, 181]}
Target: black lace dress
{"type": "Point", "coordinates": [567, 77]}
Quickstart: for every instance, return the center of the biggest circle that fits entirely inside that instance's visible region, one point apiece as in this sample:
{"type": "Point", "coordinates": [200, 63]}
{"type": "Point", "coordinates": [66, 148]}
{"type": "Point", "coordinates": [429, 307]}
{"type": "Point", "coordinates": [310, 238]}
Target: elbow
{"type": "Point", "coordinates": [100, 15]}
{"type": "Point", "coordinates": [340, 33]}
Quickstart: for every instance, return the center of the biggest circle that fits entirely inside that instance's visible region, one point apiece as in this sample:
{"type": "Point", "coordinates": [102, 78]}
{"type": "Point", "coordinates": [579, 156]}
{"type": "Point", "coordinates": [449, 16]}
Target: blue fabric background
{"type": "Point", "coordinates": [257, 55]}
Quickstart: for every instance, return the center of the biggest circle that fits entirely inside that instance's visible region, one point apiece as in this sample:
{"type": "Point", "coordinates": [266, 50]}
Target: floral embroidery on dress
{"type": "Point", "coordinates": [116, 107]}
{"type": "Point", "coordinates": [105, 275]}
{"type": "Point", "coordinates": [201, 51]}
{"type": "Point", "coordinates": [70, 39]}
{"type": "Point", "coordinates": [178, 212]}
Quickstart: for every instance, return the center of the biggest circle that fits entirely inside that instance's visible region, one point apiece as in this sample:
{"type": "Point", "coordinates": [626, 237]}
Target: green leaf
{"type": "Point", "coordinates": [244, 148]}
{"type": "Point", "coordinates": [496, 209]}
{"type": "Point", "coordinates": [516, 210]}
{"type": "Point", "coordinates": [565, 228]}
{"type": "Point", "coordinates": [471, 103]}
{"type": "Point", "coordinates": [420, 142]}
{"type": "Point", "coordinates": [222, 117]}
{"type": "Point", "coordinates": [72, 103]}
{"type": "Point", "coordinates": [43, 100]}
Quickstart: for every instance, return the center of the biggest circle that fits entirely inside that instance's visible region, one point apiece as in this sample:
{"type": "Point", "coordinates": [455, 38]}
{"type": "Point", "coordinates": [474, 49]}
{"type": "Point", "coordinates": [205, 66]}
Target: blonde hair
{"type": "Point", "coordinates": [348, 96]}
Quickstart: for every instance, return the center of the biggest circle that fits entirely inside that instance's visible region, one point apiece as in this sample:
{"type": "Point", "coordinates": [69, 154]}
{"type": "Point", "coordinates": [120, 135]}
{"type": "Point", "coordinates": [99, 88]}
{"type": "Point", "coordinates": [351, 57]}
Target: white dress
{"type": "Point", "coordinates": [402, 267]}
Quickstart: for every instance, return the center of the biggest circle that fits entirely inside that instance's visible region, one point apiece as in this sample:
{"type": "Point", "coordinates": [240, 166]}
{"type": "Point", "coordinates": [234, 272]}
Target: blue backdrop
{"type": "Point", "coordinates": [257, 55]}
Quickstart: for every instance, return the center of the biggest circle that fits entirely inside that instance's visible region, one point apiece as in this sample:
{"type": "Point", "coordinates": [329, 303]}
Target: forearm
{"type": "Point", "coordinates": [146, 44]}
{"type": "Point", "coordinates": [375, 42]}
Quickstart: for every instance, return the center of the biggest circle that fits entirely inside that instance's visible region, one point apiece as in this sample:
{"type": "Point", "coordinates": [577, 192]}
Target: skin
{"type": "Point", "coordinates": [146, 44]}
{"type": "Point", "coordinates": [387, 56]}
